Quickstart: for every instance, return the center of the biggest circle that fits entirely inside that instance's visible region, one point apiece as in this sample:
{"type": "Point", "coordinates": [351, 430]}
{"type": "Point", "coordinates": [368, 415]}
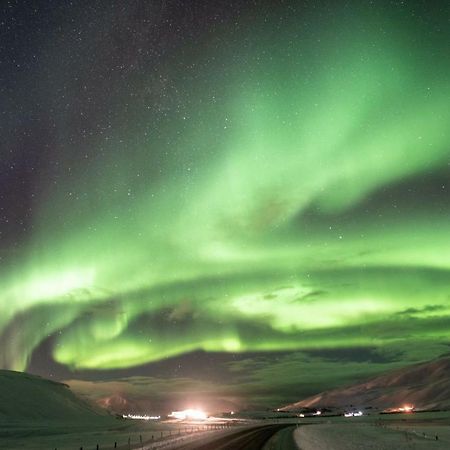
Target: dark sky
{"type": "Point", "coordinates": [223, 204]}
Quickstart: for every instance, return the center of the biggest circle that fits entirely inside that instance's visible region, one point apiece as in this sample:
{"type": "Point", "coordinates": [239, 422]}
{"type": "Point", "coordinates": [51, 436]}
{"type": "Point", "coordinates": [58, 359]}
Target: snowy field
{"type": "Point", "coordinates": [71, 436]}
{"type": "Point", "coordinates": [414, 431]}
{"type": "Point", "coordinates": [417, 432]}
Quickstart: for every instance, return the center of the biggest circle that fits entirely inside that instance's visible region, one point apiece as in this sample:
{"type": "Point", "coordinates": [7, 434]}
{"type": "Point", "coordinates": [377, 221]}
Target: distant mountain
{"type": "Point", "coordinates": [119, 404]}
{"type": "Point", "coordinates": [25, 397]}
{"type": "Point", "coordinates": [426, 386]}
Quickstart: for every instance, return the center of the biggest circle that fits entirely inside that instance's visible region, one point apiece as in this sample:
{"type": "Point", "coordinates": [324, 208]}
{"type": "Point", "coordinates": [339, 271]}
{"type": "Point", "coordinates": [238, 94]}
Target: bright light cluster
{"type": "Point", "coordinates": [406, 408]}
{"type": "Point", "coordinates": [353, 414]}
{"type": "Point", "coordinates": [139, 417]}
{"type": "Point", "coordinates": [192, 414]}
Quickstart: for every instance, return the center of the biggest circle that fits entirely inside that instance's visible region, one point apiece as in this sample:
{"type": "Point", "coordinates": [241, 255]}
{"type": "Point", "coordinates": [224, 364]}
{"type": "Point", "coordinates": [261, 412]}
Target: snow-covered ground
{"type": "Point", "coordinates": [73, 436]}
{"type": "Point", "coordinates": [372, 436]}
{"type": "Point", "coordinates": [415, 431]}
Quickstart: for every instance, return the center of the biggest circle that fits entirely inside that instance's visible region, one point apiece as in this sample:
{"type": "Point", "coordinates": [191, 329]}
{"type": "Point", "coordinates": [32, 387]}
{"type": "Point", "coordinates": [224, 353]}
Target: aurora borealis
{"type": "Point", "coordinates": [265, 181]}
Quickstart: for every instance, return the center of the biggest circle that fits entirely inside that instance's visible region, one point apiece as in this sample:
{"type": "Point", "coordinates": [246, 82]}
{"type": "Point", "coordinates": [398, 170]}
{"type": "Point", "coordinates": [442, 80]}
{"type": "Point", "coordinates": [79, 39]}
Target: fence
{"type": "Point", "coordinates": [153, 440]}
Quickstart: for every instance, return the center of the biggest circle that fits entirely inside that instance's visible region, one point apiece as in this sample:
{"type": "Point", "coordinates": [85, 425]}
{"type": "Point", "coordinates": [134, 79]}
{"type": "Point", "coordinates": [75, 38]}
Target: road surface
{"type": "Point", "coordinates": [248, 439]}
{"type": "Point", "coordinates": [283, 440]}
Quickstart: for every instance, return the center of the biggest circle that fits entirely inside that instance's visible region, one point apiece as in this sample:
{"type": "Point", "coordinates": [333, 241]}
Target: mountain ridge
{"type": "Point", "coordinates": [424, 385]}
{"type": "Point", "coordinates": [25, 397]}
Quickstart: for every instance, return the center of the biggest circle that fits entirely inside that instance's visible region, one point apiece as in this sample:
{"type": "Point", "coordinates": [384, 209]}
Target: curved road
{"type": "Point", "coordinates": [283, 440]}
{"type": "Point", "coordinates": [248, 439]}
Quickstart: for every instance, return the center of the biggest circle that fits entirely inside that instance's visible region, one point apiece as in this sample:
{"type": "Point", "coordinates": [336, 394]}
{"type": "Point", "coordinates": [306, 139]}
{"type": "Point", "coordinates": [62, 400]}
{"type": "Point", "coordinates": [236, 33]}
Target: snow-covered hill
{"type": "Point", "coordinates": [25, 397]}
{"type": "Point", "coordinates": [426, 386]}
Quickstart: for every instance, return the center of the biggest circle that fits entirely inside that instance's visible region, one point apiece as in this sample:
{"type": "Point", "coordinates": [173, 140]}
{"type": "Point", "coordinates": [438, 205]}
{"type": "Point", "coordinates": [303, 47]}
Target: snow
{"type": "Point", "coordinates": [371, 436]}
{"type": "Point", "coordinates": [28, 398]}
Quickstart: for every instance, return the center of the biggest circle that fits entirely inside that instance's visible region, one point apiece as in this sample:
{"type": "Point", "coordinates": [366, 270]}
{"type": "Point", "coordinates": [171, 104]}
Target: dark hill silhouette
{"type": "Point", "coordinates": [25, 397]}
{"type": "Point", "coordinates": [425, 385]}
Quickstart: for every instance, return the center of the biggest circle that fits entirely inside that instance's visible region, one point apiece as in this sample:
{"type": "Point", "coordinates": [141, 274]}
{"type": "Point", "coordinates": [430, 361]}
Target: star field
{"type": "Point", "coordinates": [236, 180]}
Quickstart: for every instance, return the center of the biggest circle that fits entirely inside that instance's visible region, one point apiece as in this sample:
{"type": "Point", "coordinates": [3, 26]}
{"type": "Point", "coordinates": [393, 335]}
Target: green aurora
{"type": "Point", "coordinates": [297, 200]}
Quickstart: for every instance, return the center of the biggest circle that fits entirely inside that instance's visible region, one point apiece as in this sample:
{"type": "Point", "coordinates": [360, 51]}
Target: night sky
{"type": "Point", "coordinates": [219, 203]}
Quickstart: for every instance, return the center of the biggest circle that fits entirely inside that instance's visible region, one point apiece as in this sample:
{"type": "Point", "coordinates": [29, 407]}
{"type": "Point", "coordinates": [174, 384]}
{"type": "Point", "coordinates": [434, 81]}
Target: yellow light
{"type": "Point", "coordinates": [406, 408]}
{"type": "Point", "coordinates": [189, 414]}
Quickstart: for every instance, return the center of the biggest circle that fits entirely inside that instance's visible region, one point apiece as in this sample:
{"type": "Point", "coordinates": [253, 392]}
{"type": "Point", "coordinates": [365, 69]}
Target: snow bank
{"type": "Point", "coordinates": [368, 437]}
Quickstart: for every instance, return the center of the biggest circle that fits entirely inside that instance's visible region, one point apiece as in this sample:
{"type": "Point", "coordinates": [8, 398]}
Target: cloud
{"type": "Point", "coordinates": [291, 203]}
{"type": "Point", "coordinates": [157, 395]}
{"type": "Point", "coordinates": [260, 380]}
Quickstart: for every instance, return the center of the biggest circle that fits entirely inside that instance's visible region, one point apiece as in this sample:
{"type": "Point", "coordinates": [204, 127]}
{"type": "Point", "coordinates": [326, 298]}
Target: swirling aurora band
{"type": "Point", "coordinates": [281, 209]}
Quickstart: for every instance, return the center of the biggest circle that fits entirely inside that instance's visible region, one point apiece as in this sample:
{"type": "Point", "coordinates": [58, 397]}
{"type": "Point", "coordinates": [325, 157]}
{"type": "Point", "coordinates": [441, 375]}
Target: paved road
{"type": "Point", "coordinates": [248, 439]}
{"type": "Point", "coordinates": [283, 440]}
